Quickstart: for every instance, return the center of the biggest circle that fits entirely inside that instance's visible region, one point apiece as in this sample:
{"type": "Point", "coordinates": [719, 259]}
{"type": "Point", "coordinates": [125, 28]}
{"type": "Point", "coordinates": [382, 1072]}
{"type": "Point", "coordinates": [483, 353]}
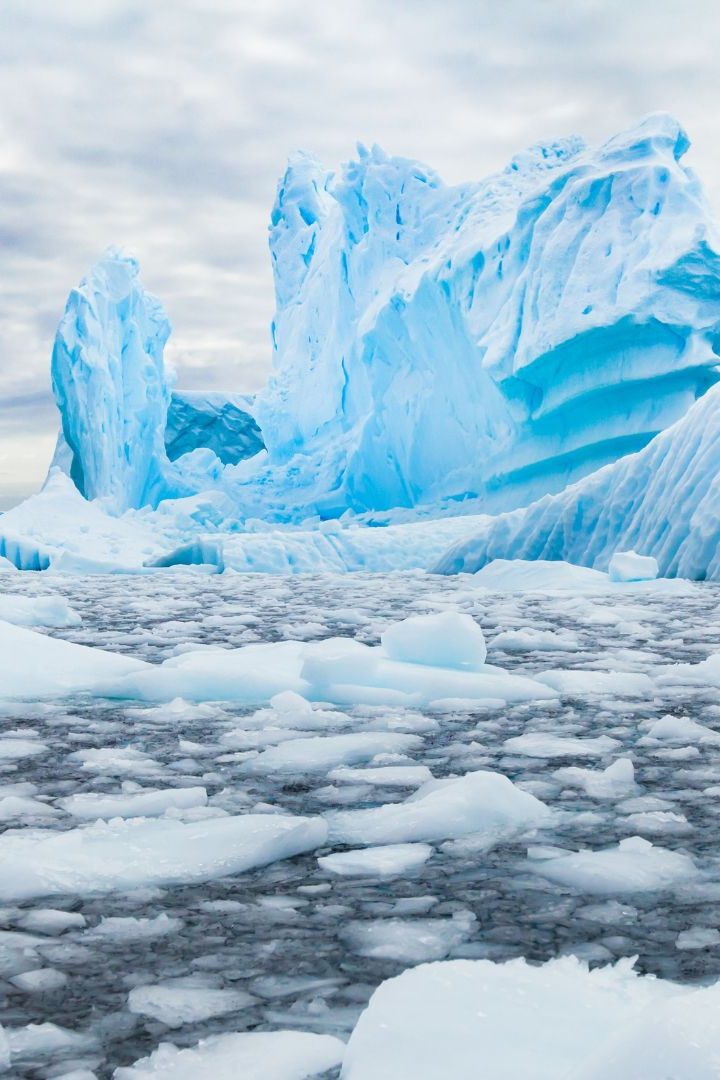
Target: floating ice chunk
{"type": "Point", "coordinates": [577, 683]}
{"type": "Point", "coordinates": [46, 1040]}
{"type": "Point", "coordinates": [680, 729]}
{"type": "Point", "coordinates": [13, 749]}
{"type": "Point", "coordinates": [116, 761]}
{"type": "Point", "coordinates": [40, 980]}
{"type": "Point", "coordinates": [183, 1003]}
{"type": "Point", "coordinates": [347, 672]}
{"type": "Point", "coordinates": [251, 674]}
{"type": "Point", "coordinates": [37, 611]}
{"type": "Point", "coordinates": [103, 857]}
{"type": "Point", "coordinates": [629, 566]}
{"type": "Point", "coordinates": [615, 782]}
{"type": "Point", "coordinates": [13, 807]}
{"type": "Point", "coordinates": [150, 803]}
{"type": "Point", "coordinates": [384, 776]}
{"type": "Point", "coordinates": [338, 670]}
{"type": "Point", "coordinates": [410, 941]}
{"type": "Point", "coordinates": [35, 666]}
{"type": "Point", "coordinates": [538, 744]}
{"type": "Point", "coordinates": [177, 710]}
{"type": "Point", "coordinates": [530, 640]}
{"type": "Point", "coordinates": [479, 803]}
{"type": "Point", "coordinates": [657, 823]}
{"type": "Point", "coordinates": [51, 921]}
{"type": "Point", "coordinates": [256, 1055]}
{"type": "Point", "coordinates": [633, 865]}
{"type": "Point", "coordinates": [698, 937]}
{"type": "Point", "coordinates": [574, 1023]}
{"type": "Point", "coordinates": [320, 753]}
{"type": "Point", "coordinates": [391, 860]}
{"type": "Point", "coordinates": [449, 639]}
{"type": "Point", "coordinates": [123, 928]}
{"type": "Point", "coordinates": [539, 575]}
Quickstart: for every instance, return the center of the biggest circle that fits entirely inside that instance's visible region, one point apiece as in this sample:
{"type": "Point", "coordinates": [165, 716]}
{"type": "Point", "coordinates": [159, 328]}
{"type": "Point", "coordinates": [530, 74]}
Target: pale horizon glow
{"type": "Point", "coordinates": [163, 128]}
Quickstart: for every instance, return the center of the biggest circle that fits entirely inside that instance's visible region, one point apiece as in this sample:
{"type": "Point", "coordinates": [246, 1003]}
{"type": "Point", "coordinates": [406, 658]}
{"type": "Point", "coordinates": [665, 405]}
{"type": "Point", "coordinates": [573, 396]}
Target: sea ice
{"type": "Point", "coordinates": [181, 1002]}
{"type": "Point", "coordinates": [390, 860]}
{"type": "Point", "coordinates": [633, 865]}
{"type": "Point", "coordinates": [535, 1022]}
{"type": "Point", "coordinates": [89, 806]}
{"type": "Point", "coordinates": [615, 782]}
{"type": "Point", "coordinates": [629, 566]}
{"type": "Point", "coordinates": [122, 855]}
{"type": "Point", "coordinates": [449, 639]}
{"type": "Point", "coordinates": [35, 666]}
{"type": "Point", "coordinates": [37, 611]}
{"type": "Point", "coordinates": [541, 745]}
{"type": "Point", "coordinates": [321, 753]}
{"type": "Point", "coordinates": [256, 1055]}
{"type": "Point", "coordinates": [409, 941]}
{"type": "Point", "coordinates": [480, 803]}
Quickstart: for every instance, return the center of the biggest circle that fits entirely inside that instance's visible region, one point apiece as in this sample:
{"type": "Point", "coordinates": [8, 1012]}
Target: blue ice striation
{"type": "Point", "coordinates": [496, 340]}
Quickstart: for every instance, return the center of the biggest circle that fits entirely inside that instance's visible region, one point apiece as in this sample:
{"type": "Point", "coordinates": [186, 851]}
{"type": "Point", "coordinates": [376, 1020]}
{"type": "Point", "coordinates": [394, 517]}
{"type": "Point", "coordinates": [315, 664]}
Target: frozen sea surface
{"type": "Point", "coordinates": [296, 944]}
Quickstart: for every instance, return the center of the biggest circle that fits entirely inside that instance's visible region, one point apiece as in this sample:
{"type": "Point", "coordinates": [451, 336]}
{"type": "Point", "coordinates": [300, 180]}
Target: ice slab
{"type": "Point", "coordinates": [89, 806]}
{"type": "Point", "coordinates": [633, 865]}
{"type": "Point", "coordinates": [629, 566]}
{"type": "Point", "coordinates": [33, 665]}
{"type": "Point", "coordinates": [121, 855]}
{"type": "Point", "coordinates": [536, 1022]}
{"type": "Point", "coordinates": [37, 611]}
{"type": "Point", "coordinates": [449, 639]}
{"type": "Point", "coordinates": [257, 1055]}
{"type": "Point", "coordinates": [185, 1002]}
{"type": "Point", "coordinates": [483, 804]}
{"type": "Point", "coordinates": [390, 860]}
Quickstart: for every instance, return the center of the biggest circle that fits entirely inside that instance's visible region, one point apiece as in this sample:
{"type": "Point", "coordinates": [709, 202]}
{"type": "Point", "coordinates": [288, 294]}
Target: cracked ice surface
{"type": "Point", "coordinates": [623, 861]}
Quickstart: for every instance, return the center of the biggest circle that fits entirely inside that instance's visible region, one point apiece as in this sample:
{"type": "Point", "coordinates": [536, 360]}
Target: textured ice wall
{"type": "Point", "coordinates": [110, 386]}
{"type": "Point", "coordinates": [501, 338]}
{"type": "Point", "coordinates": [663, 501]}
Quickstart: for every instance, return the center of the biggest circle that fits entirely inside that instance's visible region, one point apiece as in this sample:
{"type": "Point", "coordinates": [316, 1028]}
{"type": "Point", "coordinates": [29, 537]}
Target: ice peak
{"type": "Point", "coordinates": [110, 385]}
{"type": "Point", "coordinates": [658, 133]}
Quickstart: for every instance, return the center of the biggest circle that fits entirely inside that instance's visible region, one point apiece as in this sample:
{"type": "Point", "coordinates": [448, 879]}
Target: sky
{"type": "Point", "coordinates": [163, 127]}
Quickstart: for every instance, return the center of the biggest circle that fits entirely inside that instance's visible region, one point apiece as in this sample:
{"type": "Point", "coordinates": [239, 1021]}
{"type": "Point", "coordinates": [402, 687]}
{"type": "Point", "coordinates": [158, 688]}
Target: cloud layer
{"type": "Point", "coordinates": [163, 127]}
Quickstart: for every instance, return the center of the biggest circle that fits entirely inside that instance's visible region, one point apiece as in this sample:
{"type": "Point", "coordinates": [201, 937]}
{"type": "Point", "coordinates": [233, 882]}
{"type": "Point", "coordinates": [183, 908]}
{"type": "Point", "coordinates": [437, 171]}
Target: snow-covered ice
{"type": "Point", "coordinates": [262, 1055]}
{"type": "Point", "coordinates": [390, 860]}
{"type": "Point", "coordinates": [633, 865]}
{"type": "Point", "coordinates": [515, 1020]}
{"type": "Point", "coordinates": [479, 803]}
{"type": "Point", "coordinates": [140, 852]}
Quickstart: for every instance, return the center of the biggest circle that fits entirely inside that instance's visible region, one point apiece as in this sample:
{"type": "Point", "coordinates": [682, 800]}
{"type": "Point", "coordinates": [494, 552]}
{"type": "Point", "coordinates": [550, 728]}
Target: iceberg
{"type": "Point", "coordinates": [520, 367]}
{"type": "Point", "coordinates": [494, 340]}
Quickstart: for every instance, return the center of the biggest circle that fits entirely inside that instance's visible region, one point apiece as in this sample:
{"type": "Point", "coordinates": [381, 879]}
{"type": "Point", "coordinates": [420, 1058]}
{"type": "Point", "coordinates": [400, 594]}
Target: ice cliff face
{"type": "Point", "coordinates": [663, 501]}
{"type": "Point", "coordinates": [110, 386]}
{"type": "Point", "coordinates": [499, 339]}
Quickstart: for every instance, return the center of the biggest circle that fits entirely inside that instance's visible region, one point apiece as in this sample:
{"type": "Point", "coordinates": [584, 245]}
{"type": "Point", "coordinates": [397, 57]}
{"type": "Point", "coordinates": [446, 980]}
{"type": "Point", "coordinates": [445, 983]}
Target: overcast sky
{"type": "Point", "coordinates": [163, 126]}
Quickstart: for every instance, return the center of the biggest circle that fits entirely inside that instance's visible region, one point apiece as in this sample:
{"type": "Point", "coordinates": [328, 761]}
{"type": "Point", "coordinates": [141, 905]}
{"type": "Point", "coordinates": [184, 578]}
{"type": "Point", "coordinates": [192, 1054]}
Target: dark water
{"type": "Point", "coordinates": [287, 934]}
